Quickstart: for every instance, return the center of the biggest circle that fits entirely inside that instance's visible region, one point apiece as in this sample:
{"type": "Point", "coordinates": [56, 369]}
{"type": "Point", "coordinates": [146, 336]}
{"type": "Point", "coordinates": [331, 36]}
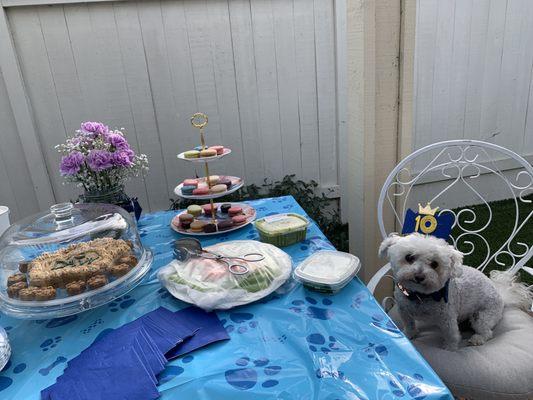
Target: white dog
{"type": "Point", "coordinates": [432, 285]}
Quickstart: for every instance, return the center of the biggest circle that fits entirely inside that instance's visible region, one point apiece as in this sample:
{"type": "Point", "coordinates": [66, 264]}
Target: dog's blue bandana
{"type": "Point", "coordinates": [436, 296]}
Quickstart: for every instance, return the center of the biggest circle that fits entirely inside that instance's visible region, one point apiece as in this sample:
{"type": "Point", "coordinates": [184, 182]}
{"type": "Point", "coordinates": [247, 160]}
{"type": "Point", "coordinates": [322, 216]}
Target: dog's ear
{"type": "Point", "coordinates": [457, 261]}
{"type": "Point", "coordinates": [387, 243]}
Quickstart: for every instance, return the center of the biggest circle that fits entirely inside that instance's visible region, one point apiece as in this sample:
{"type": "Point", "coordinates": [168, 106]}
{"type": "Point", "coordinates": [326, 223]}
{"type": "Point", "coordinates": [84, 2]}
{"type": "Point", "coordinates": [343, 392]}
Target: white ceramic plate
{"type": "Point", "coordinates": [248, 210]}
{"type": "Point", "coordinates": [227, 151]}
{"type": "Point", "coordinates": [237, 183]}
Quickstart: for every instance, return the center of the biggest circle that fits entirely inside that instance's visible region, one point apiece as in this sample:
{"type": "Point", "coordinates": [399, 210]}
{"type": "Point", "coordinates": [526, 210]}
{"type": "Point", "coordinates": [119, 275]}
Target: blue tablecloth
{"type": "Point", "coordinates": [295, 344]}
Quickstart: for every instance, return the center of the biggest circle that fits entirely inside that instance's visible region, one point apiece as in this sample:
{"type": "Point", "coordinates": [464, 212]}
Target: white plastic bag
{"type": "Point", "coordinates": [210, 285]}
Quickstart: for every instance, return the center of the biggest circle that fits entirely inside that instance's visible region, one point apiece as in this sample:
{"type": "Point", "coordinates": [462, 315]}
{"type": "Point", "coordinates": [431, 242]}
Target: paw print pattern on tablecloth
{"type": "Point", "coordinates": [96, 322]}
{"type": "Point", "coordinates": [326, 372]}
{"type": "Point", "coordinates": [317, 342]}
{"type": "Point", "coordinates": [164, 293]}
{"type": "Point", "coordinates": [240, 322]}
{"type": "Point", "coordinates": [358, 299]}
{"type": "Point", "coordinates": [50, 343]}
{"type": "Point", "coordinates": [57, 322]}
{"type": "Point", "coordinates": [249, 373]}
{"type": "Point", "coordinates": [411, 385]}
{"type": "Point", "coordinates": [45, 371]}
{"type": "Point", "coordinates": [171, 371]}
{"type": "Point", "coordinates": [376, 351]}
{"type": "Point", "coordinates": [312, 309]}
{"type": "Point", "coordinates": [122, 303]}
{"type": "Point", "coordinates": [315, 243]}
{"type": "Point", "coordinates": [6, 381]}
{"type": "Point", "coordinates": [382, 322]}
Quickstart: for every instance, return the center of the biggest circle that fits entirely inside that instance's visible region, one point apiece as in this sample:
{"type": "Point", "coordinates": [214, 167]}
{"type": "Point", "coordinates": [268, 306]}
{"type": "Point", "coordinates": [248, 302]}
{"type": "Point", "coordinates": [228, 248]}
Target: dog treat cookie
{"type": "Point", "coordinates": [98, 281]}
{"type": "Point", "coordinates": [14, 289]}
{"type": "Point", "coordinates": [45, 293]}
{"type": "Point", "coordinates": [11, 280]}
{"type": "Point", "coordinates": [79, 261]}
{"type": "Point", "coordinates": [118, 270]}
{"type": "Point", "coordinates": [27, 293]}
{"type": "Point", "coordinates": [74, 288]}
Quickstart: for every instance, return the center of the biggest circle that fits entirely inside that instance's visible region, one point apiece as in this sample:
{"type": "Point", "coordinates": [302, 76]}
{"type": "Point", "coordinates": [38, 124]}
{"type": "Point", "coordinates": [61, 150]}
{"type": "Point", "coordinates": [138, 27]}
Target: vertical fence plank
{"type": "Point", "coordinates": [304, 30]}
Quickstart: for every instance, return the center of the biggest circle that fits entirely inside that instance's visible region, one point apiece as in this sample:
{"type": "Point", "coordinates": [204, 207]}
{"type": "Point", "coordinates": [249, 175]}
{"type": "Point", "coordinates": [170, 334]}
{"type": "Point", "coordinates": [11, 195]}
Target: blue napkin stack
{"type": "Point", "coordinates": [124, 364]}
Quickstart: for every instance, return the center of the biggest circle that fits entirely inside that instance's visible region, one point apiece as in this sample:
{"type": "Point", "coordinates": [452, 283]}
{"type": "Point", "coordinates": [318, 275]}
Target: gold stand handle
{"type": "Point", "coordinates": [199, 120]}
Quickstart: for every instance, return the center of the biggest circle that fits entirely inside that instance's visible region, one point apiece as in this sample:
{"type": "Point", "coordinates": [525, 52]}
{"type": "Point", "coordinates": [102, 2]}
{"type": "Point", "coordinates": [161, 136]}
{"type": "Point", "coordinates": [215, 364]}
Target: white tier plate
{"type": "Point", "coordinates": [236, 186]}
{"type": "Point", "coordinates": [247, 210]}
{"type": "Point", "coordinates": [227, 151]}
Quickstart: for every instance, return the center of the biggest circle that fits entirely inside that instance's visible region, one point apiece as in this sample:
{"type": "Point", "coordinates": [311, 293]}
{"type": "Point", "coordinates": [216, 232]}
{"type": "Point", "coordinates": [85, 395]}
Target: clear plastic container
{"type": "Point", "coordinates": [327, 271]}
{"type": "Point", "coordinates": [5, 348]}
{"type": "Point", "coordinates": [68, 260]}
{"type": "Point", "coordinates": [282, 230]}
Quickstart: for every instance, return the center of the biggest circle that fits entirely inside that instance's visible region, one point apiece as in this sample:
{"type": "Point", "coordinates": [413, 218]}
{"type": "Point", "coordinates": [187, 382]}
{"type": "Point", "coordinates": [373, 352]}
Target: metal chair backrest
{"type": "Point", "coordinates": [459, 173]}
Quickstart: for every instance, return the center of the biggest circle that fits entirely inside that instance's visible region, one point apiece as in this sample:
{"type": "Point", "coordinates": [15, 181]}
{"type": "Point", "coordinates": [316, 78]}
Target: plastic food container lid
{"type": "Point", "coordinates": [280, 224]}
{"type": "Point", "coordinates": [328, 268]}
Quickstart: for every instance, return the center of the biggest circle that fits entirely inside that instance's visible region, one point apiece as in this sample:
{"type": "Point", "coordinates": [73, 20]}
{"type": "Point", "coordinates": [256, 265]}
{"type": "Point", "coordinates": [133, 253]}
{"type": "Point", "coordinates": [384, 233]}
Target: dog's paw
{"type": "Point", "coordinates": [476, 340]}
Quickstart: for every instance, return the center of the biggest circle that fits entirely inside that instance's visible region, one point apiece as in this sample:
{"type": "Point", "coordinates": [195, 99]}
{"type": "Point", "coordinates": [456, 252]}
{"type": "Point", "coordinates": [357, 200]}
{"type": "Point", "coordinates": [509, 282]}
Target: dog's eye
{"type": "Point", "coordinates": [410, 258]}
{"type": "Point", "coordinates": [434, 264]}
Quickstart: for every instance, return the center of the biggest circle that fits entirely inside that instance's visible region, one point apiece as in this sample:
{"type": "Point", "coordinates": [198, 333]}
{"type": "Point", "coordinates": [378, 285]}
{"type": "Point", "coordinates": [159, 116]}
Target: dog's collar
{"type": "Point", "coordinates": [436, 296]}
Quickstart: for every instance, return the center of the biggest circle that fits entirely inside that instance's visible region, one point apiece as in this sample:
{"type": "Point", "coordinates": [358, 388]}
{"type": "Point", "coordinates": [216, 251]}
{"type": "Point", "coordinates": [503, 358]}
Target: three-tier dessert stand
{"type": "Point", "coordinates": [199, 121]}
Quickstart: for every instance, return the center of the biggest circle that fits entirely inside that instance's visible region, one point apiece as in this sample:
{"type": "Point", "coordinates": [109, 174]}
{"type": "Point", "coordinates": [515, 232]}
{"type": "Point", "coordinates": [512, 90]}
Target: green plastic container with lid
{"type": "Point", "coordinates": [282, 230]}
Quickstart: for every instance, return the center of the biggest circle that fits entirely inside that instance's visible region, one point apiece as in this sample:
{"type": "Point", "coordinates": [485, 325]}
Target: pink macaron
{"type": "Point", "coordinates": [190, 182]}
{"type": "Point", "coordinates": [235, 210]}
{"type": "Point", "coordinates": [239, 219]}
{"type": "Point", "coordinates": [218, 149]}
{"type": "Point", "coordinates": [201, 191]}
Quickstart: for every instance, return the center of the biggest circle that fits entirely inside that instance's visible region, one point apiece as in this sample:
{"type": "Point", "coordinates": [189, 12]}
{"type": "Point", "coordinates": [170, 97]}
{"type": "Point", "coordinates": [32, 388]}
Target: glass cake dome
{"type": "Point", "coordinates": [68, 260]}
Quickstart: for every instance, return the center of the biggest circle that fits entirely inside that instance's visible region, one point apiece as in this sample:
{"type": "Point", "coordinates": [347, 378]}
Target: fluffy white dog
{"type": "Point", "coordinates": [433, 285]}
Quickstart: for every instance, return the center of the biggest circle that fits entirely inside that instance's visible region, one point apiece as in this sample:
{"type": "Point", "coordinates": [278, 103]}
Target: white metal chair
{"type": "Point", "coordinates": [431, 174]}
{"type": "Point", "coordinates": [453, 174]}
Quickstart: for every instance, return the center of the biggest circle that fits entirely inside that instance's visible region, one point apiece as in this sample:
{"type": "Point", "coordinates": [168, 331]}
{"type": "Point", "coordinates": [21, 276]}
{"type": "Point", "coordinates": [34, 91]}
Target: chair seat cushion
{"type": "Point", "coordinates": [501, 369]}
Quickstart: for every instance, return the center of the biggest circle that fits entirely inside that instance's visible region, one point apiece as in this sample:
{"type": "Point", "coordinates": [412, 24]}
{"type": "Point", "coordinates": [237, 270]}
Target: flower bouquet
{"type": "Point", "coordinates": [100, 160]}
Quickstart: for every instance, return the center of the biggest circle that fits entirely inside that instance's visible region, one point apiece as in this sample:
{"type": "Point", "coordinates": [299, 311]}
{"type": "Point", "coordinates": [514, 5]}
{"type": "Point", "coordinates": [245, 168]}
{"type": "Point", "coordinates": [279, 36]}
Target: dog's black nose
{"type": "Point", "coordinates": [419, 278]}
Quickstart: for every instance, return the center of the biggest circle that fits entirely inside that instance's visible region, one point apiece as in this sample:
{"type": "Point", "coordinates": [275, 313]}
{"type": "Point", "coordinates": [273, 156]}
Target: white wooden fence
{"type": "Point", "coordinates": [265, 71]}
{"type": "Point", "coordinates": [473, 72]}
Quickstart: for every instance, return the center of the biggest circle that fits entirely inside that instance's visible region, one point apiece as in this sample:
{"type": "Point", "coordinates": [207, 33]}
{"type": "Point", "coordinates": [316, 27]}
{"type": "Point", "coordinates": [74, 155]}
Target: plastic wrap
{"type": "Point", "coordinates": [210, 285]}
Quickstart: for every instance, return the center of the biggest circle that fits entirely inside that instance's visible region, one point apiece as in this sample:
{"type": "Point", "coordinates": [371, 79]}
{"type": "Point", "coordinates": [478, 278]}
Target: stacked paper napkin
{"type": "Point", "coordinates": [124, 364]}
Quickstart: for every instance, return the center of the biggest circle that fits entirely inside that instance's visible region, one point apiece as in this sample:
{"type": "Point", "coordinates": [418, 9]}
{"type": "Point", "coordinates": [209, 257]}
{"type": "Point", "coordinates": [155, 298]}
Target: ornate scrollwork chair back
{"type": "Point", "coordinates": [460, 177]}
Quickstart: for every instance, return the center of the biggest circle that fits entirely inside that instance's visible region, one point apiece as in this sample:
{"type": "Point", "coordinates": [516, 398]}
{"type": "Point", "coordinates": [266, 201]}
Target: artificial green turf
{"type": "Point", "coordinates": [497, 232]}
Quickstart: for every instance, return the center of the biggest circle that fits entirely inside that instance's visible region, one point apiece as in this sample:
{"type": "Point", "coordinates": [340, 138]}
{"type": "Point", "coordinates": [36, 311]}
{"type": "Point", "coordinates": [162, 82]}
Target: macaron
{"type": "Point", "coordinates": [202, 191]}
{"type": "Point", "coordinates": [187, 190]}
{"type": "Point", "coordinates": [190, 182]}
{"type": "Point", "coordinates": [218, 149]}
{"type": "Point", "coordinates": [185, 220]}
{"type": "Point", "coordinates": [210, 228]}
{"type": "Point", "coordinates": [197, 226]}
{"type": "Point", "coordinates": [239, 219]}
{"type": "Point", "coordinates": [213, 179]}
{"type": "Point", "coordinates": [176, 221]}
{"type": "Point", "coordinates": [225, 224]}
{"type": "Point", "coordinates": [191, 154]}
{"type": "Point", "coordinates": [225, 181]}
{"type": "Point", "coordinates": [225, 207]}
{"type": "Point", "coordinates": [207, 208]}
{"type": "Point", "coordinates": [208, 153]}
{"type": "Point", "coordinates": [199, 148]}
{"type": "Point", "coordinates": [195, 210]}
{"type": "Point", "coordinates": [235, 210]}
{"type": "Point", "coordinates": [219, 188]}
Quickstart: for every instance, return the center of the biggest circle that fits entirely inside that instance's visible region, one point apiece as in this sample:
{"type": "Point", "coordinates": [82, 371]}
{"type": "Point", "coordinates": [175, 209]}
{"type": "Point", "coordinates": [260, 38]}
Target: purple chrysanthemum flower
{"type": "Point", "coordinates": [117, 140]}
{"type": "Point", "coordinates": [99, 160]}
{"type": "Point", "coordinates": [71, 164]}
{"type": "Point", "coordinates": [94, 128]}
{"type": "Point", "coordinates": [123, 158]}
